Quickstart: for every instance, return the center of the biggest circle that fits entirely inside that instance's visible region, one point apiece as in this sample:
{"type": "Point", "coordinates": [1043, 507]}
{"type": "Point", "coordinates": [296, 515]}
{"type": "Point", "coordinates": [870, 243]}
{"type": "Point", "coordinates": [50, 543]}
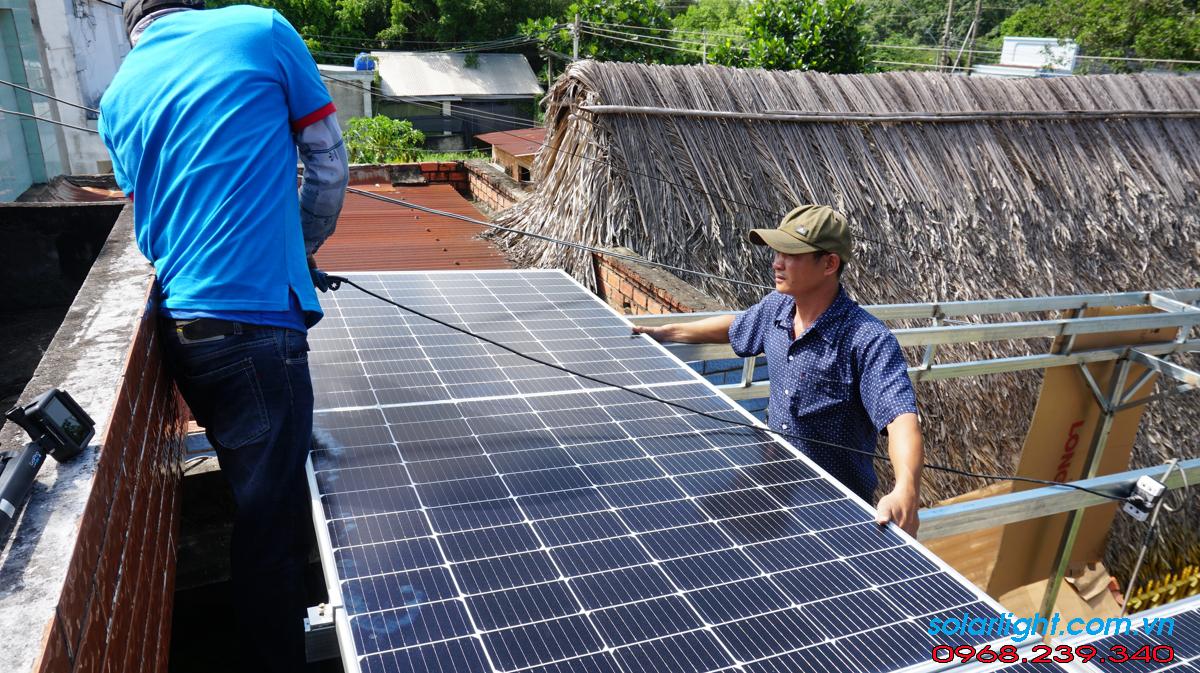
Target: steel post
{"type": "Point", "coordinates": [1108, 404]}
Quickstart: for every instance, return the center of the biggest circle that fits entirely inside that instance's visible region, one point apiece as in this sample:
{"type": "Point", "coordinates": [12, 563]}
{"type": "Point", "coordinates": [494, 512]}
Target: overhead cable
{"type": "Point", "coordinates": [46, 95]}
{"type": "Point", "coordinates": [49, 121]}
{"type": "Point", "coordinates": [629, 171]}
{"type": "Point", "coordinates": [337, 281]}
{"type": "Point", "coordinates": [1127, 59]}
{"type": "Point", "coordinates": [549, 239]}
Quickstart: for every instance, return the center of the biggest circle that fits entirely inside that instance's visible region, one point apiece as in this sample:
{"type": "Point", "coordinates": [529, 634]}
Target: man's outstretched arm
{"type": "Point", "coordinates": [907, 452]}
{"type": "Point", "coordinates": [714, 330]}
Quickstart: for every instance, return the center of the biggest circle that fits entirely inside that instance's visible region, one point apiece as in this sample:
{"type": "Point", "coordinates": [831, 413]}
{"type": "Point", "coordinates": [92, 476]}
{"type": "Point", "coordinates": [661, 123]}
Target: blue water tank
{"type": "Point", "coordinates": [364, 62]}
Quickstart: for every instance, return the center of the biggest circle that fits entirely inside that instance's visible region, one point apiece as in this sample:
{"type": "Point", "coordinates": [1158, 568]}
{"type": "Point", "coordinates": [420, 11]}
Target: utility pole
{"type": "Point", "coordinates": [704, 50]}
{"type": "Point", "coordinates": [575, 38]}
{"type": "Point", "coordinates": [974, 32]}
{"type": "Point", "coordinates": [942, 56]}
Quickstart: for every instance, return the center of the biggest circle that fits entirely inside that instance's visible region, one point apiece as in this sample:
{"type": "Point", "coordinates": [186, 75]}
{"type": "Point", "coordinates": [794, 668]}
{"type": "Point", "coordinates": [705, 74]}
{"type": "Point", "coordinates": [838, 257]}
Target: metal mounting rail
{"type": "Point", "coordinates": [1176, 313]}
{"type": "Point", "coordinates": [997, 510]}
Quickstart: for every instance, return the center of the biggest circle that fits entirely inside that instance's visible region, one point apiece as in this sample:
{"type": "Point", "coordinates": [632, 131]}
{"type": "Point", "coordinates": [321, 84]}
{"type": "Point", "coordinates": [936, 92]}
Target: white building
{"type": "Point", "coordinates": [1032, 57]}
{"type": "Point", "coordinates": [69, 49]}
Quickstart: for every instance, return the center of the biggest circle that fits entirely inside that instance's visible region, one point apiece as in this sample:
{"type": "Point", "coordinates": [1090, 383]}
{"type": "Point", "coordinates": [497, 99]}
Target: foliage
{"type": "Point", "coordinates": [922, 24]}
{"type": "Point", "coordinates": [455, 156]}
{"type": "Point", "coordinates": [719, 17]}
{"type": "Point", "coordinates": [382, 140]}
{"type": "Point", "coordinates": [635, 17]}
{"type": "Point", "coordinates": [467, 20]}
{"type": "Point", "coordinates": [823, 35]}
{"type": "Point", "coordinates": [335, 29]}
{"type": "Point", "coordinates": [1146, 29]}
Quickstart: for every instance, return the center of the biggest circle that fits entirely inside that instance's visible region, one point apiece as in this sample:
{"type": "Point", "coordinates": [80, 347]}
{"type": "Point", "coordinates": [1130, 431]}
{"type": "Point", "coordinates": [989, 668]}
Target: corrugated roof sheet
{"type": "Point", "coordinates": [518, 142]}
{"type": "Point", "coordinates": [441, 74]}
{"type": "Point", "coordinates": [377, 236]}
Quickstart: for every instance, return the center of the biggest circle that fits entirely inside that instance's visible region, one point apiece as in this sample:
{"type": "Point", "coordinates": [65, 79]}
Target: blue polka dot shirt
{"type": "Point", "coordinates": [843, 381]}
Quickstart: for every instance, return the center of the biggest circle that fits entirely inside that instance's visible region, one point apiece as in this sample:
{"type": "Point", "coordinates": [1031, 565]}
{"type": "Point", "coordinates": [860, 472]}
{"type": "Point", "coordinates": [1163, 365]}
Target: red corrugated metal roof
{"type": "Point", "coordinates": [377, 236]}
{"type": "Point", "coordinates": [518, 142]}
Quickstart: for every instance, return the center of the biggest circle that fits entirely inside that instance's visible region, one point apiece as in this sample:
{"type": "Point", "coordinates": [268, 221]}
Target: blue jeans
{"type": "Point", "coordinates": [252, 393]}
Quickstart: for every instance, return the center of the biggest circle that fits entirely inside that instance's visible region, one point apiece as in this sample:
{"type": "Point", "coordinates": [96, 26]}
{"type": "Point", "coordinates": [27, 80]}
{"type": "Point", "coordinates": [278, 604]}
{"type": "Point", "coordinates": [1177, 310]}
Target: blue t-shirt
{"type": "Point", "coordinates": [199, 122]}
{"type": "Point", "coordinates": [843, 381]}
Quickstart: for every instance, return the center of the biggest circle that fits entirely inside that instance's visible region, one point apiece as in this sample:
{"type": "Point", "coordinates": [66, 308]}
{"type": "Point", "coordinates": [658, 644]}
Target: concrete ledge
{"type": "Point", "coordinates": [86, 358]}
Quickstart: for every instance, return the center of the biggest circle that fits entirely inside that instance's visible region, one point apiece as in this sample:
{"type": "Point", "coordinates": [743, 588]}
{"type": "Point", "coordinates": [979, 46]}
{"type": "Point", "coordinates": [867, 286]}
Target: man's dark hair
{"type": "Point", "coordinates": [136, 10]}
{"type": "Point", "coordinates": [841, 261]}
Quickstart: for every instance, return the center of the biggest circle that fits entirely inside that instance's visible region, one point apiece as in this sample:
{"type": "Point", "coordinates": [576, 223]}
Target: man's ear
{"type": "Point", "coordinates": [832, 267]}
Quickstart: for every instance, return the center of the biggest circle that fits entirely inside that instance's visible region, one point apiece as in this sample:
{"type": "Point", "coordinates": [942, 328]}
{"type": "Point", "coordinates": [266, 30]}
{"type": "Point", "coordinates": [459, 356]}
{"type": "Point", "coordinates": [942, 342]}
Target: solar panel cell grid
{"type": "Point", "coordinates": [1175, 626]}
{"type": "Point", "coordinates": [475, 525]}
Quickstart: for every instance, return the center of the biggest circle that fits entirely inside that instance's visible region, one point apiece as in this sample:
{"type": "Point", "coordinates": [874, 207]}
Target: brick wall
{"type": "Point", "coordinates": [114, 613]}
{"type": "Point", "coordinates": [493, 189]}
{"type": "Point", "coordinates": [634, 288]}
{"type": "Point", "coordinates": [454, 173]}
{"type": "Point", "coordinates": [429, 172]}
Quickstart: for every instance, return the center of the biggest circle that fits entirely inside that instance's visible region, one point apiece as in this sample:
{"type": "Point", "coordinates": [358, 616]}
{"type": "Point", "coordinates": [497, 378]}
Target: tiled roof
{"type": "Point", "coordinates": [518, 142]}
{"type": "Point", "coordinates": [377, 236]}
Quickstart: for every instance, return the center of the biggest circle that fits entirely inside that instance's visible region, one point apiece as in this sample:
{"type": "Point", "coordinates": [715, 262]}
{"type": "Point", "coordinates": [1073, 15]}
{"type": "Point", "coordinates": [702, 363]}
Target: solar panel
{"type": "Point", "coordinates": [1163, 639]}
{"type": "Point", "coordinates": [481, 513]}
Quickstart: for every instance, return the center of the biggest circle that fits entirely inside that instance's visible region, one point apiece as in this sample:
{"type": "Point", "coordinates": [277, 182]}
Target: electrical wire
{"type": "Point", "coordinates": [678, 31]}
{"type": "Point", "coordinates": [593, 33]}
{"type": "Point", "coordinates": [549, 239]}
{"type": "Point", "coordinates": [1126, 59]}
{"type": "Point", "coordinates": [696, 45]}
{"type": "Point", "coordinates": [629, 171]}
{"type": "Point", "coordinates": [337, 281]}
{"type": "Point", "coordinates": [46, 95]}
{"type": "Point", "coordinates": [466, 115]}
{"type": "Point", "coordinates": [50, 121]}
{"type": "Point", "coordinates": [605, 162]}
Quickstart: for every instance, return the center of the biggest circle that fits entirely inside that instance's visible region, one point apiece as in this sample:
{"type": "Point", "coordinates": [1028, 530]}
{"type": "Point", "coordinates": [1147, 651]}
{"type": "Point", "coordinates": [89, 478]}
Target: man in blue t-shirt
{"type": "Point", "coordinates": [203, 122]}
{"type": "Point", "coordinates": [838, 378]}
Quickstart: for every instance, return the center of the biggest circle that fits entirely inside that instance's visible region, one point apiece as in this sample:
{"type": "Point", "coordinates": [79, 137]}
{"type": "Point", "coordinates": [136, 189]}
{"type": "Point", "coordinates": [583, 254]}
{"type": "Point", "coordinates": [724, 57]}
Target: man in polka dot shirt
{"type": "Point", "coordinates": [837, 373]}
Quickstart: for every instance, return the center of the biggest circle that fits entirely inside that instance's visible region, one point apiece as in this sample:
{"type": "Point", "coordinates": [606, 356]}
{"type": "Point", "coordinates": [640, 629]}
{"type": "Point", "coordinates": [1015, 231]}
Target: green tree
{"type": "Point", "coordinates": [717, 17]}
{"type": "Point", "coordinates": [613, 30]}
{"type": "Point", "coordinates": [1143, 29]}
{"type": "Point", "coordinates": [824, 35]}
{"type": "Point", "coordinates": [382, 140]}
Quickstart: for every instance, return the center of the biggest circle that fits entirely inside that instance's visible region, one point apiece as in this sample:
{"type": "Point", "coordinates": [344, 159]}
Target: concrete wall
{"type": "Point", "coordinates": [349, 98]}
{"type": "Point", "coordinates": [86, 577]}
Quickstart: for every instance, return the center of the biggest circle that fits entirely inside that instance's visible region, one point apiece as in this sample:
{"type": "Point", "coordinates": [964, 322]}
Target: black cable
{"type": "Point", "coordinates": [628, 171]}
{"type": "Point", "coordinates": [335, 282]}
{"type": "Point", "coordinates": [549, 239]}
{"type": "Point", "coordinates": [46, 95]}
{"type": "Point", "coordinates": [51, 121]}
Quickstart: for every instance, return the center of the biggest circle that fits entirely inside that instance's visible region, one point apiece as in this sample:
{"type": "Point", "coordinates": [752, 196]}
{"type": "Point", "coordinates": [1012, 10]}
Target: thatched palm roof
{"type": "Point", "coordinates": [966, 210]}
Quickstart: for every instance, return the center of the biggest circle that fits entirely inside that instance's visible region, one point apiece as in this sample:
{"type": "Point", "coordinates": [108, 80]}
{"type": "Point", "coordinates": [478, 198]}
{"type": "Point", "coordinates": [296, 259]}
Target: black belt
{"type": "Point", "coordinates": [203, 329]}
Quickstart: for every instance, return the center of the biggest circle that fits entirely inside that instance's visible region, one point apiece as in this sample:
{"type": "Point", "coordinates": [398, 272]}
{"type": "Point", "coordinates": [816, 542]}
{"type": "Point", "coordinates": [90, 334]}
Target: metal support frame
{"type": "Point", "coordinates": [1108, 404]}
{"type": "Point", "coordinates": [1177, 311]}
{"type": "Point", "coordinates": [998, 510]}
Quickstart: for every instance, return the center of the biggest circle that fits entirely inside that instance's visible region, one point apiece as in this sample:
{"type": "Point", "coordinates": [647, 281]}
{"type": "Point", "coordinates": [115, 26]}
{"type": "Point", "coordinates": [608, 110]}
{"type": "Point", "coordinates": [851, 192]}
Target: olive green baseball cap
{"type": "Point", "coordinates": [808, 228]}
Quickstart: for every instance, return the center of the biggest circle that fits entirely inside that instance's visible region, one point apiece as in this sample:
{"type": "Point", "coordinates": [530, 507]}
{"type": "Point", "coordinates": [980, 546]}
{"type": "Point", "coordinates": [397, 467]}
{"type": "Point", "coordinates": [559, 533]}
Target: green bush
{"type": "Point", "coordinates": [382, 140]}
